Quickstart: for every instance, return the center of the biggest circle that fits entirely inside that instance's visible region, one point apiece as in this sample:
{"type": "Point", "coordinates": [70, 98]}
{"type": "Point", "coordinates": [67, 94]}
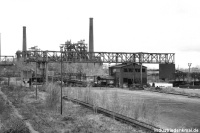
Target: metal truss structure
{"type": "Point", "coordinates": [6, 60]}
{"type": "Point", "coordinates": [10, 74]}
{"type": "Point", "coordinates": [75, 47]}
{"type": "Point", "coordinates": [98, 57]}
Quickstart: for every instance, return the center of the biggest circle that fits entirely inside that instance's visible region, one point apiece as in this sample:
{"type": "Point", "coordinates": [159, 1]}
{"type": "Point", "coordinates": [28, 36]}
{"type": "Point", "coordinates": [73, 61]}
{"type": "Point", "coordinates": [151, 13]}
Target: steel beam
{"type": "Point", "coordinates": [10, 74]}
{"type": "Point", "coordinates": [100, 57]}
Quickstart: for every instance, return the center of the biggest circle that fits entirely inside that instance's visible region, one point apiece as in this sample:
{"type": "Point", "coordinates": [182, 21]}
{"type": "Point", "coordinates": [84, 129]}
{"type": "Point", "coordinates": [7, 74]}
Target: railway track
{"type": "Point", "coordinates": [124, 119]}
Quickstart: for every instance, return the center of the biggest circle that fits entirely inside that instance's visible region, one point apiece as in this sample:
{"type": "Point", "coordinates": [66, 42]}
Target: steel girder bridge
{"type": "Point", "coordinates": [6, 61]}
{"type": "Point", "coordinates": [10, 74]}
{"type": "Point", "coordinates": [98, 57]}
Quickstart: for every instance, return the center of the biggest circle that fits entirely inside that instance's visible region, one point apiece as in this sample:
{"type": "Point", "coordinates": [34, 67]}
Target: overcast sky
{"type": "Point", "coordinates": [161, 26]}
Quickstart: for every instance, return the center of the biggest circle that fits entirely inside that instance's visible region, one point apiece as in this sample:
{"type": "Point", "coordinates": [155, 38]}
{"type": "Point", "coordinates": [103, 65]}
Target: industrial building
{"type": "Point", "coordinates": [123, 74]}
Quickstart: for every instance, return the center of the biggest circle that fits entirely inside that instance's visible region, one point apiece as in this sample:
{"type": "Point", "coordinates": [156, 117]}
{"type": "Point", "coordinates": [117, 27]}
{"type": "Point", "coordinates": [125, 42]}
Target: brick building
{"type": "Point", "coordinates": [124, 74]}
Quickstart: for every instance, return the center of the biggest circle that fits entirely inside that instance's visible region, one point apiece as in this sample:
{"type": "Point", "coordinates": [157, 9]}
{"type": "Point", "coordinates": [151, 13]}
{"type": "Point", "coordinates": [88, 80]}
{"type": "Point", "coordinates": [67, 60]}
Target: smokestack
{"type": "Point", "coordinates": [0, 46]}
{"type": "Point", "coordinates": [91, 41]}
{"type": "Point", "coordinates": [24, 40]}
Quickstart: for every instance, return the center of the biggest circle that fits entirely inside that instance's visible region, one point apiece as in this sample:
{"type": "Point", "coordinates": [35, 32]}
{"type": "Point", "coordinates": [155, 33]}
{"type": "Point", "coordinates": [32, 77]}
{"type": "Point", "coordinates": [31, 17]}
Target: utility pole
{"type": "Point", "coordinates": [189, 65]}
{"type": "Point", "coordinates": [36, 79]}
{"type": "Point", "coordinates": [46, 69]}
{"type": "Point", "coordinates": [61, 107]}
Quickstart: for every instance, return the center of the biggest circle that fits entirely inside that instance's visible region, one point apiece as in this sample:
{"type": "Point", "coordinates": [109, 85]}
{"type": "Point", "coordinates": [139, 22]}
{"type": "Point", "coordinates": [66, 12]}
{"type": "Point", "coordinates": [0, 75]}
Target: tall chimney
{"type": "Point", "coordinates": [0, 46]}
{"type": "Point", "coordinates": [24, 40]}
{"type": "Point", "coordinates": [91, 41]}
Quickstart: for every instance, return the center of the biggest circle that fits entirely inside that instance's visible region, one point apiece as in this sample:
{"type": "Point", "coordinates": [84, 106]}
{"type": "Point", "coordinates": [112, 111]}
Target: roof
{"type": "Point", "coordinates": [124, 65]}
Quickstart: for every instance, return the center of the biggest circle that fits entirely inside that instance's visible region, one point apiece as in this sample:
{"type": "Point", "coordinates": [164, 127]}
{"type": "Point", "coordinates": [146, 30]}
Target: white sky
{"type": "Point", "coordinates": [161, 26]}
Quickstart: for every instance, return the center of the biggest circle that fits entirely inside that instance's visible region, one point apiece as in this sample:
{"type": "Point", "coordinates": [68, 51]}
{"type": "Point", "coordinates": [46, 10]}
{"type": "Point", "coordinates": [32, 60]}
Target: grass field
{"type": "Point", "coordinates": [166, 111]}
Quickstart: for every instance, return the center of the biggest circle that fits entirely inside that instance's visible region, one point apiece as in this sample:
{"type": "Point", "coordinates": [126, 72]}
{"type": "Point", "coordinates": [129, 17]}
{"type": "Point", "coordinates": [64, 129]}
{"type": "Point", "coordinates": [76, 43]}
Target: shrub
{"type": "Point", "coordinates": [115, 102]}
{"type": "Point", "coordinates": [14, 125]}
{"type": "Point", "coordinates": [53, 96]}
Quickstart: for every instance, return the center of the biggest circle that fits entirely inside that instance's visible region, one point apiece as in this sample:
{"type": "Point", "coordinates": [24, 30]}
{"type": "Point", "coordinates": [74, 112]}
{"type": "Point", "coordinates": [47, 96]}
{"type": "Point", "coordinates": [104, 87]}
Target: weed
{"type": "Point", "coordinates": [53, 96]}
{"type": "Point", "coordinates": [144, 109]}
{"type": "Point", "coordinates": [136, 110]}
{"type": "Point", "coordinates": [154, 114]}
{"type": "Point", "coordinates": [115, 102]}
{"type": "Point", "coordinates": [2, 106]}
{"type": "Point", "coordinates": [104, 99]}
{"type": "Point", "coordinates": [14, 125]}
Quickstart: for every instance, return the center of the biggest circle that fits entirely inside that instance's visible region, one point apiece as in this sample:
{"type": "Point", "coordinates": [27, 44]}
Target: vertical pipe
{"type": "Point", "coordinates": [61, 85]}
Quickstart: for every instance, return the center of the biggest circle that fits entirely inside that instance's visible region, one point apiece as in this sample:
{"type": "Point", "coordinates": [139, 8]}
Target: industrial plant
{"type": "Point", "coordinates": [110, 83]}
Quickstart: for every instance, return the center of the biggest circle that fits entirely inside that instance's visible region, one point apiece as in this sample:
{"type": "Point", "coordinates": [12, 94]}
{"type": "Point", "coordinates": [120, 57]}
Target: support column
{"type": "Point", "coordinates": [46, 72]}
{"type": "Point", "coordinates": [133, 73]}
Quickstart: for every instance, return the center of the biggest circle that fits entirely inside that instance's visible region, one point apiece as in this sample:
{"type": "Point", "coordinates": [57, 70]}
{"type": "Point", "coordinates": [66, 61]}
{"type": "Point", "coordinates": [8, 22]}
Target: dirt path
{"type": "Point", "coordinates": [17, 113]}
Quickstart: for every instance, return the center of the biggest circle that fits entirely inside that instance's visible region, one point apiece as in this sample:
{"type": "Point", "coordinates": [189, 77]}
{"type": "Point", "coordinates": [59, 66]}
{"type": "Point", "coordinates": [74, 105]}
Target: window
{"type": "Point", "coordinates": [143, 70]}
{"type": "Point", "coordinates": [125, 70]}
{"type": "Point", "coordinates": [125, 80]}
{"type": "Point", "coordinates": [130, 70]}
{"type": "Point", "coordinates": [137, 70]}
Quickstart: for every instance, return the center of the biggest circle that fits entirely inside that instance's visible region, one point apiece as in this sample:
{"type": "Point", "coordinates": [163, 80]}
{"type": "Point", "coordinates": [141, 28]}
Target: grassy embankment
{"type": "Point", "coordinates": [44, 113]}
